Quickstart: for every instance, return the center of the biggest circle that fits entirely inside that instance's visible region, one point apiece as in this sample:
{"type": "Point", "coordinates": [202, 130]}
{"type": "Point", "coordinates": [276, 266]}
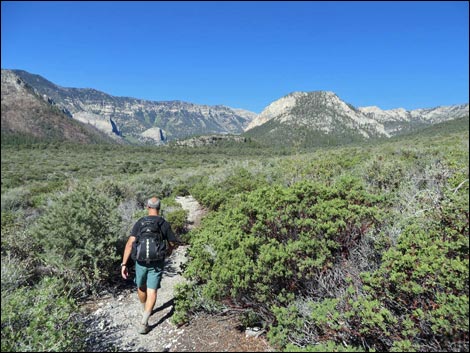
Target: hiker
{"type": "Point", "coordinates": [151, 239]}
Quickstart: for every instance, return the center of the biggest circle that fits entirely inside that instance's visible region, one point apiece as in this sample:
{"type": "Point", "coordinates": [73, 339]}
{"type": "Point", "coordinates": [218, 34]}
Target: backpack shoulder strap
{"type": "Point", "coordinates": [151, 225]}
{"type": "Point", "coordinates": [137, 235]}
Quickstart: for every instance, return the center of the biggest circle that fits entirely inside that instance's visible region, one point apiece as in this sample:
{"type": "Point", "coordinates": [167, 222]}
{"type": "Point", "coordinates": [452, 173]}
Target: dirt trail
{"type": "Point", "coordinates": [112, 321]}
{"type": "Point", "coordinates": [195, 211]}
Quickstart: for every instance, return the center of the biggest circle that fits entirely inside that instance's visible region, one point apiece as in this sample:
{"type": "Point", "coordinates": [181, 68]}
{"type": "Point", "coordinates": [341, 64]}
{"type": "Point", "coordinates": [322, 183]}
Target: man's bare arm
{"type": "Point", "coordinates": [125, 257]}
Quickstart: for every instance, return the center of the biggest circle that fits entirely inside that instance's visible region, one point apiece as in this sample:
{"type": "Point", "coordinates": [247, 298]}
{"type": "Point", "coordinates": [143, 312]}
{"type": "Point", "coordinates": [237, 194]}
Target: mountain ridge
{"type": "Point", "coordinates": [139, 119]}
{"type": "Point", "coordinates": [321, 117]}
{"type": "Point", "coordinates": [28, 116]}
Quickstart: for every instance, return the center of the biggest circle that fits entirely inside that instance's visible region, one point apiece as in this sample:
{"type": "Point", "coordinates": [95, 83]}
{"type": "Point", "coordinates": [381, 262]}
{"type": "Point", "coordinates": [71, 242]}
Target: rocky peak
{"type": "Point", "coordinates": [321, 111]}
{"type": "Point", "coordinates": [276, 108]}
{"type": "Point", "coordinates": [137, 119]}
{"type": "Point", "coordinates": [401, 120]}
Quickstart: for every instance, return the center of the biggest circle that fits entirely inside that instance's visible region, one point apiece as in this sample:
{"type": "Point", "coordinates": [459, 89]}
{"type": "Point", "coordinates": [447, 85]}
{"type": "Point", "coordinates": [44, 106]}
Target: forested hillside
{"type": "Point", "coordinates": [356, 248]}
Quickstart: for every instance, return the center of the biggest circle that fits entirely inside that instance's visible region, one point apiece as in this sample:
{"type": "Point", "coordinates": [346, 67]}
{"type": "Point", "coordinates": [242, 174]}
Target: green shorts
{"type": "Point", "coordinates": [149, 275]}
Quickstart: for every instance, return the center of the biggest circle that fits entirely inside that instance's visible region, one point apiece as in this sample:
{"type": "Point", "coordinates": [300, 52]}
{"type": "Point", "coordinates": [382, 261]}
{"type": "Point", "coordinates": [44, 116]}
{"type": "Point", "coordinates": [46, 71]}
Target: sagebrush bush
{"type": "Point", "coordinates": [17, 244]}
{"type": "Point", "coordinates": [148, 185]}
{"type": "Point", "coordinates": [78, 234]}
{"type": "Point", "coordinates": [41, 318]}
{"type": "Point", "coordinates": [16, 272]}
{"type": "Point", "coordinates": [15, 199]}
{"type": "Point", "coordinates": [189, 299]}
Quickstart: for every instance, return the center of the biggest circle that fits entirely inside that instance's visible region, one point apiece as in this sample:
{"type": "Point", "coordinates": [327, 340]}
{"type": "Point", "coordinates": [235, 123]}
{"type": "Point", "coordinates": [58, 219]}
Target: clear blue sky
{"type": "Point", "coordinates": [246, 54]}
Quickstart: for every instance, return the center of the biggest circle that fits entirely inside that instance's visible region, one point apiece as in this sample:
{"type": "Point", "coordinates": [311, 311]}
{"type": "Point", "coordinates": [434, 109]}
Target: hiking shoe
{"type": "Point", "coordinates": [143, 329]}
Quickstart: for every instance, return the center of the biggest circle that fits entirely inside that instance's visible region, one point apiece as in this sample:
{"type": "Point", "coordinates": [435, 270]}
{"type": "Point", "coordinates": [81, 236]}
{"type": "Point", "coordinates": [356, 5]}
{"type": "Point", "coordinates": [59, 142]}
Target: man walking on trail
{"type": "Point", "coordinates": [148, 273]}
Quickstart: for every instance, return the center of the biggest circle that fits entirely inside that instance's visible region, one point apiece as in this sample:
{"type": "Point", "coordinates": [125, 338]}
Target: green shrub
{"type": "Point", "coordinates": [189, 299]}
{"type": "Point", "coordinates": [416, 300]}
{"type": "Point", "coordinates": [275, 242]}
{"type": "Point", "coordinates": [9, 226]}
{"type": "Point", "coordinates": [130, 167]}
{"type": "Point", "coordinates": [16, 272]}
{"type": "Point", "coordinates": [115, 190]}
{"type": "Point", "coordinates": [78, 234]}
{"type": "Point", "coordinates": [181, 190]}
{"type": "Point", "coordinates": [177, 218]}
{"type": "Point", "coordinates": [16, 240]}
{"type": "Point", "coordinates": [424, 280]}
{"type": "Point", "coordinates": [250, 319]}
{"type": "Point", "coordinates": [40, 191]}
{"type": "Point", "coordinates": [15, 199]}
{"type": "Point", "coordinates": [148, 185]}
{"type": "Point", "coordinates": [40, 319]}
{"type": "Point", "coordinates": [209, 196]}
{"type": "Point", "coordinates": [403, 346]}
{"type": "Point", "coordinates": [213, 195]}
{"type": "Point", "coordinates": [385, 174]}
{"type": "Point", "coordinates": [328, 346]}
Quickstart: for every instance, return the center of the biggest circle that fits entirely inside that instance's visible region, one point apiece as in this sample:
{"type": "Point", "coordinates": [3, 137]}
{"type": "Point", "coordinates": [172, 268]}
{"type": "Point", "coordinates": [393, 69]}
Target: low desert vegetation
{"type": "Point", "coordinates": [353, 248]}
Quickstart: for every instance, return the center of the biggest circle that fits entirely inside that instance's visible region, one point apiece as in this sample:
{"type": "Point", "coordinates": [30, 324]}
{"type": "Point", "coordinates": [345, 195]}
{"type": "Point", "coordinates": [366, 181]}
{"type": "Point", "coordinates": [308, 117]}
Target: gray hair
{"type": "Point", "coordinates": [153, 203]}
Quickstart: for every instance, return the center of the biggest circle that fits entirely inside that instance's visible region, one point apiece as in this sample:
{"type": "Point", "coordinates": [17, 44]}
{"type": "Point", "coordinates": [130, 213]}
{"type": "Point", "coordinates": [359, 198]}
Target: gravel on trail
{"type": "Point", "coordinates": [112, 320]}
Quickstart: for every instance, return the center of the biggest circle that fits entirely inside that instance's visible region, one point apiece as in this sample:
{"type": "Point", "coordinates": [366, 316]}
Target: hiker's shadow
{"type": "Point", "coordinates": [169, 314]}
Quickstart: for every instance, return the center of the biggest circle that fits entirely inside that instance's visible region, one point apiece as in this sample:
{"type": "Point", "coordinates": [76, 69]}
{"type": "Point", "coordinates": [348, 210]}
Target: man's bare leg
{"type": "Point", "coordinates": [149, 304]}
{"type": "Point", "coordinates": [151, 299]}
{"type": "Point", "coordinates": [142, 294]}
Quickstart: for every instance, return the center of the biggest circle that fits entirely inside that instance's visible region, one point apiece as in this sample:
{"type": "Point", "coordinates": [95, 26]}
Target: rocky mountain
{"type": "Point", "coordinates": [301, 118]}
{"type": "Point", "coordinates": [28, 116]}
{"type": "Point", "coordinates": [311, 119]}
{"type": "Point", "coordinates": [322, 118]}
{"type": "Point", "coordinates": [138, 120]}
{"type": "Point", "coordinates": [399, 121]}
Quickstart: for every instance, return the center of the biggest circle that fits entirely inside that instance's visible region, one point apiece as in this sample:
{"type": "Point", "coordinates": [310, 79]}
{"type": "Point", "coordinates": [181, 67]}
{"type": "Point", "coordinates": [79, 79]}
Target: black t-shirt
{"type": "Point", "coordinates": [164, 225]}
